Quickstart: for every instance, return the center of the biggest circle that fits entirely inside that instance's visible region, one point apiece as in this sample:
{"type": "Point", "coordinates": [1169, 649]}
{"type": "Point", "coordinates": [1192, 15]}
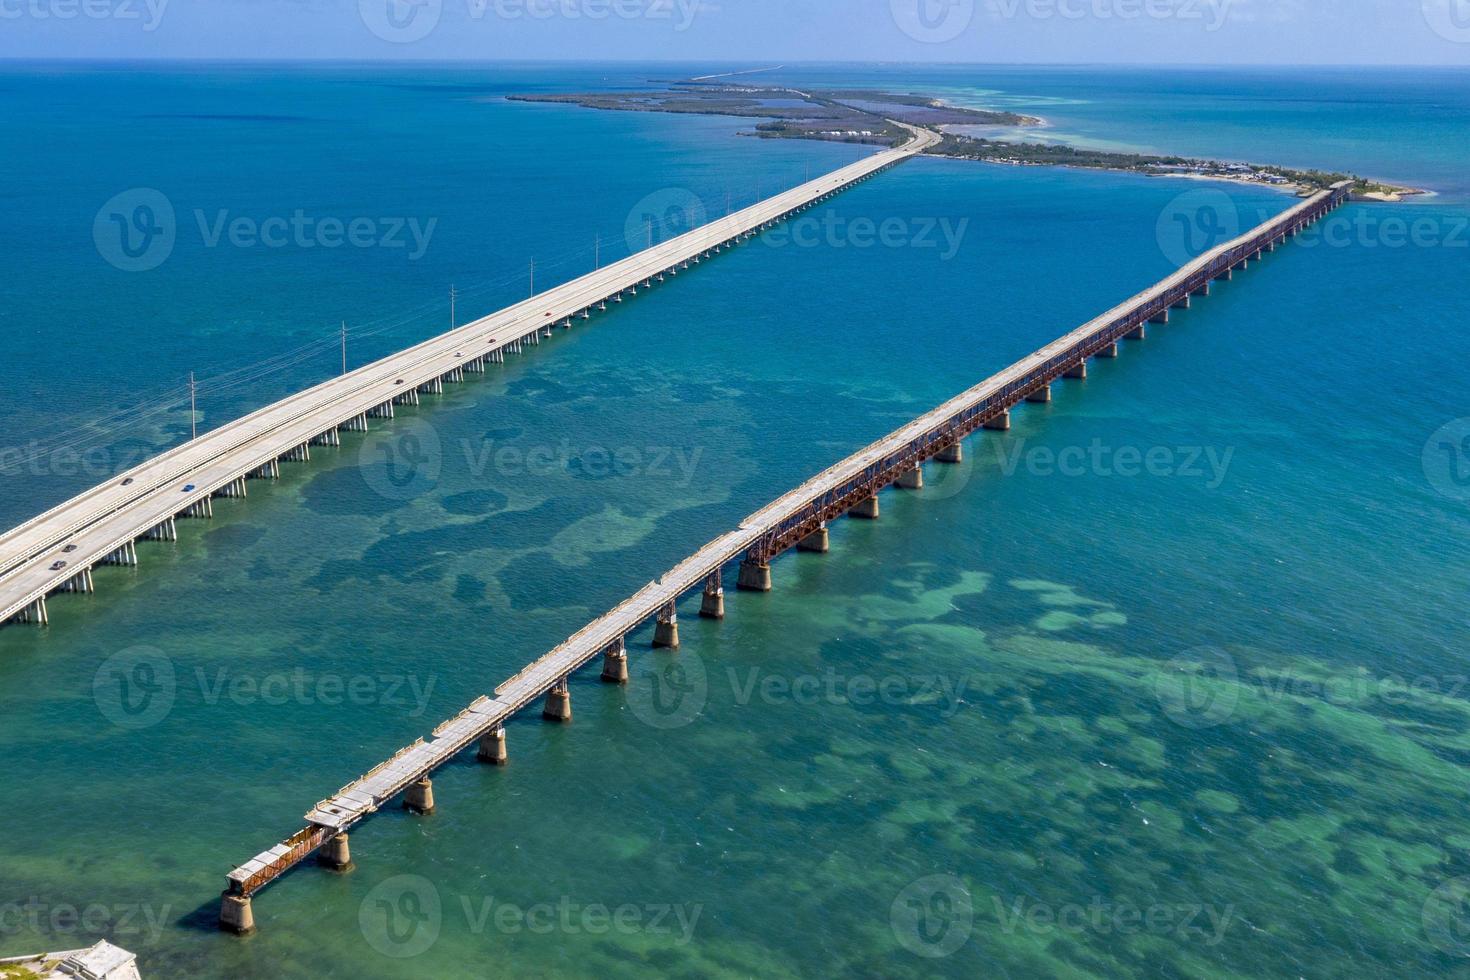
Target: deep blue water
{"type": "Point", "coordinates": [1202, 717]}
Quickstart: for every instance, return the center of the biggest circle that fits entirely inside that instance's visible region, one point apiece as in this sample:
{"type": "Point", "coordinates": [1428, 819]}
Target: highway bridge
{"type": "Point", "coordinates": [57, 551]}
{"type": "Point", "coordinates": [797, 519]}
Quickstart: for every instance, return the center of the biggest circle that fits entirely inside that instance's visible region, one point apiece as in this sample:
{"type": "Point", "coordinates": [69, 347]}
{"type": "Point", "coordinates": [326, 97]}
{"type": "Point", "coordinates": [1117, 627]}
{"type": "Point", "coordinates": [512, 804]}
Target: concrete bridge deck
{"type": "Point", "coordinates": [102, 524]}
{"type": "Point", "coordinates": [850, 486]}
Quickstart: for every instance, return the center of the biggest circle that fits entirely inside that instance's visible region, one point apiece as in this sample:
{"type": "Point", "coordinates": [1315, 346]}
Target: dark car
{"type": "Point", "coordinates": [69, 549]}
{"type": "Point", "coordinates": [128, 482]}
{"type": "Point", "coordinates": [188, 487]}
{"type": "Point", "coordinates": [57, 566]}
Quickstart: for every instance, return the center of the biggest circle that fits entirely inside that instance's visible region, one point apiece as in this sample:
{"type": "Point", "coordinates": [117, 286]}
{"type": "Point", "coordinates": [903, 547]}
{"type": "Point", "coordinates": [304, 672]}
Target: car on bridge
{"type": "Point", "coordinates": [57, 566]}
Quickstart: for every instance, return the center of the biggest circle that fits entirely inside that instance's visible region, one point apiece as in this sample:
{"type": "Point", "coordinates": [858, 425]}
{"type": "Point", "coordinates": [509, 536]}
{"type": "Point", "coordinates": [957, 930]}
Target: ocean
{"type": "Point", "coordinates": [1165, 681]}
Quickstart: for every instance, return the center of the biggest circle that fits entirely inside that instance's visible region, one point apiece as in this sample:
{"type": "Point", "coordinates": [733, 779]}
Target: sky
{"type": "Point", "coordinates": [757, 32]}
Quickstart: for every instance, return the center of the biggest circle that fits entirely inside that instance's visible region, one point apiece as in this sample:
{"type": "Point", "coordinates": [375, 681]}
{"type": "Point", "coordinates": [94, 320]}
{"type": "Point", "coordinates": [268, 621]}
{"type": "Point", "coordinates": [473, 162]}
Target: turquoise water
{"type": "Point", "coordinates": [1204, 720]}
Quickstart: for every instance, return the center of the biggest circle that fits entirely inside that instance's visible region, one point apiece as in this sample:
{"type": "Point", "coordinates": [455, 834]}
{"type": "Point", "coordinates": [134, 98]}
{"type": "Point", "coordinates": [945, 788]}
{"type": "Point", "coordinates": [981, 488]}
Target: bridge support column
{"type": "Point", "coordinates": [817, 543]}
{"type": "Point", "coordinates": [492, 747]}
{"type": "Point", "coordinates": [615, 664]}
{"type": "Point", "coordinates": [1077, 371]}
{"type": "Point", "coordinates": [35, 613]}
{"type": "Point", "coordinates": [558, 703]}
{"type": "Point", "coordinates": [1040, 396]}
{"type": "Point", "coordinates": [1182, 303]}
{"type": "Point", "coordinates": [953, 453]}
{"type": "Point", "coordinates": [235, 914]}
{"type": "Point", "coordinates": [712, 604]}
{"type": "Point", "coordinates": [1109, 351]}
{"type": "Point", "coordinates": [1227, 275]}
{"type": "Point", "coordinates": [666, 628]}
{"type": "Point", "coordinates": [866, 510]}
{"type": "Point", "coordinates": [999, 423]}
{"type": "Point", "coordinates": [335, 854]}
{"type": "Point", "coordinates": [80, 582]}
{"type": "Point", "coordinates": [911, 479]}
{"type": "Point", "coordinates": [755, 576]}
{"type": "Point", "coordinates": [1203, 290]}
{"type": "Point", "coordinates": [419, 797]}
{"type": "Point", "coordinates": [1160, 317]}
{"type": "Point", "coordinates": [1139, 332]}
{"type": "Point", "coordinates": [167, 531]}
{"type": "Point", "coordinates": [328, 438]}
{"type": "Point", "coordinates": [434, 386]}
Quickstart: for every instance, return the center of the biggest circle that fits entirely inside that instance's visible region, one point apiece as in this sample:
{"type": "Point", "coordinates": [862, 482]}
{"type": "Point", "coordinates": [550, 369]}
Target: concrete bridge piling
{"type": "Point", "coordinates": [819, 542]}
{"type": "Point", "coordinates": [420, 797]}
{"type": "Point", "coordinates": [615, 663]}
{"type": "Point", "coordinates": [336, 854]}
{"type": "Point", "coordinates": [492, 747]}
{"type": "Point", "coordinates": [666, 629]}
{"type": "Point", "coordinates": [712, 602]}
{"type": "Point", "coordinates": [558, 706]}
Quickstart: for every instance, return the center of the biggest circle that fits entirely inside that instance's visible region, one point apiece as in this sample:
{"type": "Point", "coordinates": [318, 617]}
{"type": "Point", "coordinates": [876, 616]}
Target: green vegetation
{"type": "Point", "coordinates": [872, 116]}
{"type": "Point", "coordinates": [1054, 155]}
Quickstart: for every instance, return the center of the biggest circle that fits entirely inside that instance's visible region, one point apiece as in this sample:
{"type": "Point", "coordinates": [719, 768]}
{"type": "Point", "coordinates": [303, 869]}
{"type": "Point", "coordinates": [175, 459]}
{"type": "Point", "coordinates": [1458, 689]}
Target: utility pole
{"type": "Point", "coordinates": [193, 416]}
{"type": "Point", "coordinates": [344, 346]}
{"type": "Point", "coordinates": [451, 306]}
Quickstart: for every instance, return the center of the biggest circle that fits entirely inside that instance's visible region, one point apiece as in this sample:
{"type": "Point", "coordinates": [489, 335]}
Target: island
{"type": "Point", "coordinates": [873, 116]}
